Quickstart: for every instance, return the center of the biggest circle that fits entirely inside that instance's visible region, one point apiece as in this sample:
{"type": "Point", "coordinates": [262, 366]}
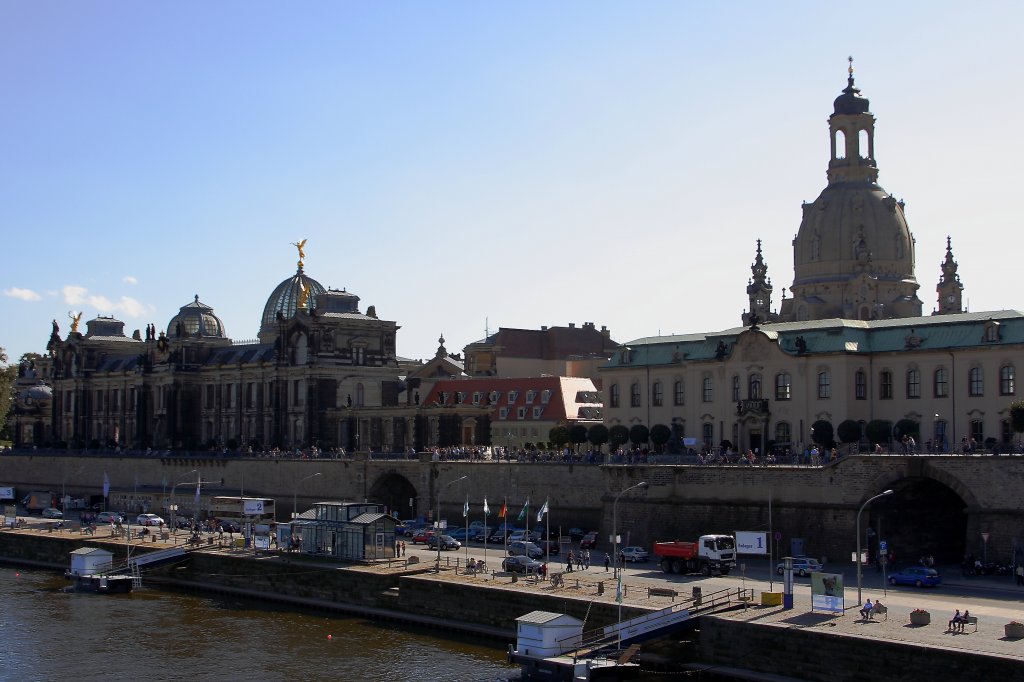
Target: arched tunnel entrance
{"type": "Point", "coordinates": [921, 518]}
{"type": "Point", "coordinates": [396, 493]}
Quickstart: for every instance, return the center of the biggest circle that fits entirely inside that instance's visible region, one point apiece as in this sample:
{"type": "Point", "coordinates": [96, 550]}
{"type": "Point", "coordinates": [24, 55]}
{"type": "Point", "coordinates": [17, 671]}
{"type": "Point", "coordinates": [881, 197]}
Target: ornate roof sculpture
{"type": "Point", "coordinates": [298, 292]}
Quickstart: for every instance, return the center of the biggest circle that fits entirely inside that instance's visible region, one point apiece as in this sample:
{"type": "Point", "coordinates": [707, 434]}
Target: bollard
{"type": "Point", "coordinates": [600, 587]}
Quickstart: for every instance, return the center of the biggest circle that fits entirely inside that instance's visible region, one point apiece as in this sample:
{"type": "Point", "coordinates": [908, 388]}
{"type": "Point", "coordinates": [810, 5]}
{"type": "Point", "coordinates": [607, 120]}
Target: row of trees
{"type": "Point", "coordinates": [616, 436]}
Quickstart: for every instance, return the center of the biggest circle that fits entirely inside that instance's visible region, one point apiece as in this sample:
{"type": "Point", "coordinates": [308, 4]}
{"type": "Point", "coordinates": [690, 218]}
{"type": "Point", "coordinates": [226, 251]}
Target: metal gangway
{"type": "Point", "coordinates": [602, 641]}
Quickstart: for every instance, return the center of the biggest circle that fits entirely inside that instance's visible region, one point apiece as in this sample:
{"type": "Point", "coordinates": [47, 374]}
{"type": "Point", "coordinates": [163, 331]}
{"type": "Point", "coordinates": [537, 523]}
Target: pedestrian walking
{"type": "Point", "coordinates": [586, 560]}
{"type": "Point", "coordinates": [607, 562]}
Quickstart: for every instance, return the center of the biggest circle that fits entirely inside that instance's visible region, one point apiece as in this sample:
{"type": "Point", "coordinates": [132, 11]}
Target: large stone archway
{"type": "Point", "coordinates": [923, 517]}
{"type": "Point", "coordinates": [395, 492]}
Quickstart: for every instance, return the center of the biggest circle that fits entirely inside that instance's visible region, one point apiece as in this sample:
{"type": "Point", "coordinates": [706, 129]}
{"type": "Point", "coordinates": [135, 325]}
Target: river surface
{"type": "Point", "coordinates": [49, 634]}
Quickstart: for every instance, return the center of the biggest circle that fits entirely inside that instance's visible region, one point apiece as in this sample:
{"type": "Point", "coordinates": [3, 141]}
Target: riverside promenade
{"type": "Point", "coordinates": [994, 601]}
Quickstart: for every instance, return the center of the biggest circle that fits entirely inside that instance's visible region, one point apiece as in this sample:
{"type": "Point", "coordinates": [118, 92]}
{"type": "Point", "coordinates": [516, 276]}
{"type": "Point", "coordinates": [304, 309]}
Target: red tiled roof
{"type": "Point", "coordinates": [565, 397]}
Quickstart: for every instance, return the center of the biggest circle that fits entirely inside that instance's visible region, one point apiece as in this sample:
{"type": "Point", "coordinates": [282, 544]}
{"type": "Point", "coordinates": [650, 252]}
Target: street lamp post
{"type": "Point", "coordinates": [174, 506]}
{"type": "Point", "coordinates": [615, 549]}
{"type": "Point", "coordinates": [295, 492]}
{"type": "Point", "coordinates": [437, 519]}
{"type": "Point", "coordinates": [866, 503]}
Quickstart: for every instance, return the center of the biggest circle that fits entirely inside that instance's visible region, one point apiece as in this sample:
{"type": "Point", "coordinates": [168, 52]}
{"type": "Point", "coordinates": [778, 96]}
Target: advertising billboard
{"type": "Point", "coordinates": [827, 592]}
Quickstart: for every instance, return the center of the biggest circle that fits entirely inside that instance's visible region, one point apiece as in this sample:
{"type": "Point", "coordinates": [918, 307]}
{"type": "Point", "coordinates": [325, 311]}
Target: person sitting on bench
{"type": "Point", "coordinates": [959, 627]}
{"type": "Point", "coordinates": [866, 610]}
{"type": "Point", "coordinates": [955, 621]}
{"type": "Point", "coordinates": [471, 566]}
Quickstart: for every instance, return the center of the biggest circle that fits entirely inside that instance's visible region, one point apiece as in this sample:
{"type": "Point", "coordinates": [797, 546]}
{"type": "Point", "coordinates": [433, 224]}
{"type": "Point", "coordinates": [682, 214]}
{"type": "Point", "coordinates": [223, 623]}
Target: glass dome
{"type": "Point", "coordinates": [196, 319]}
{"type": "Point", "coordinates": [285, 298]}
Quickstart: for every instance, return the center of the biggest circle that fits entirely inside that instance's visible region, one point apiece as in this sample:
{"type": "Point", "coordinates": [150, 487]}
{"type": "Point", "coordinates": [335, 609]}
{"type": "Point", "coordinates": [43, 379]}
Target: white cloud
{"type": "Point", "coordinates": [126, 305]}
{"type": "Point", "coordinates": [23, 294]}
{"type": "Point", "coordinates": [128, 279]}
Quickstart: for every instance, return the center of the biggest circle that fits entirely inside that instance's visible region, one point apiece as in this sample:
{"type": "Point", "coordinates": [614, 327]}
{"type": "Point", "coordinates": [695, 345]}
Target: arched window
{"type": "Point", "coordinates": [679, 395]}
{"type": "Point", "coordinates": [736, 388]}
{"type": "Point", "coordinates": [613, 395]}
{"type": "Point", "coordinates": [754, 387]}
{"type": "Point", "coordinates": [707, 432]}
{"type": "Point", "coordinates": [977, 432]}
{"type": "Point", "coordinates": [941, 383]}
{"type": "Point", "coordinates": [860, 385]}
{"type": "Point", "coordinates": [885, 385]}
{"type": "Point", "coordinates": [783, 434]}
{"type": "Point", "coordinates": [656, 394]}
{"type": "Point", "coordinates": [707, 390]}
{"type": "Point", "coordinates": [913, 383]}
{"type": "Point", "coordinates": [1006, 380]}
{"type": "Point", "coordinates": [824, 385]}
{"type": "Point", "coordinates": [783, 386]}
{"type": "Point", "coordinates": [976, 382]}
{"type": "Point", "coordinates": [634, 394]}
{"type": "Point", "coordinates": [863, 145]}
{"type": "Point", "coordinates": [840, 145]}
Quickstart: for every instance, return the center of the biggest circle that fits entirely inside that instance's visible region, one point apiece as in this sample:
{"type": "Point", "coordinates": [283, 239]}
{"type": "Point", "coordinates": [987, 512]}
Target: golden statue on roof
{"type": "Point", "coordinates": [303, 293]}
{"type": "Point", "coordinates": [302, 252]}
{"type": "Point", "coordinates": [74, 320]}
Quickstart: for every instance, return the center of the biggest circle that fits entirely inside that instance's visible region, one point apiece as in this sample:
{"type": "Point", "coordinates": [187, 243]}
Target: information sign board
{"type": "Point", "coordinates": [751, 542]}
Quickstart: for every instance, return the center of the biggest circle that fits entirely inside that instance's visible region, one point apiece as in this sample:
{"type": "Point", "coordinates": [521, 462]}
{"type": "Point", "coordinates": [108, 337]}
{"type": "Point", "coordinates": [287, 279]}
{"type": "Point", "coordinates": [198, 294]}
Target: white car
{"type": "Point", "coordinates": [52, 513]}
{"type": "Point", "coordinates": [634, 554]}
{"type": "Point", "coordinates": [149, 520]}
{"type": "Point", "coordinates": [802, 566]}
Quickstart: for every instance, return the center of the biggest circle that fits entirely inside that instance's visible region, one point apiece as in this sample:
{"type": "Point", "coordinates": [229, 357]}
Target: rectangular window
{"type": "Point", "coordinates": [976, 382]}
{"type": "Point", "coordinates": [512, 395]}
{"type": "Point", "coordinates": [783, 386]}
{"type": "Point", "coordinates": [537, 412]}
{"type": "Point", "coordinates": [656, 396]}
{"type": "Point", "coordinates": [860, 385]}
{"type": "Point", "coordinates": [736, 389]}
{"type": "Point", "coordinates": [530, 396]}
{"type": "Point", "coordinates": [613, 395]}
{"type": "Point", "coordinates": [1007, 380]}
{"type": "Point", "coordinates": [707, 390]}
{"type": "Point", "coordinates": [885, 385]}
{"type": "Point", "coordinates": [679, 398]}
{"type": "Point", "coordinates": [941, 383]}
{"type": "Point", "coordinates": [545, 396]}
{"type": "Point", "coordinates": [521, 413]}
{"type": "Point", "coordinates": [913, 383]}
{"type": "Point", "coordinates": [634, 395]}
{"type": "Point", "coordinates": [503, 413]}
{"type": "Point", "coordinates": [824, 385]}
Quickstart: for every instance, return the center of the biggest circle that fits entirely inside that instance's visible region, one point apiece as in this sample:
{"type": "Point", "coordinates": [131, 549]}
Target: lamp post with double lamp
{"type": "Point", "coordinates": [437, 519]}
{"type": "Point", "coordinates": [615, 548]}
{"type": "Point", "coordinates": [295, 492]}
{"type": "Point", "coordinates": [174, 505]}
{"type": "Point", "coordinates": [859, 563]}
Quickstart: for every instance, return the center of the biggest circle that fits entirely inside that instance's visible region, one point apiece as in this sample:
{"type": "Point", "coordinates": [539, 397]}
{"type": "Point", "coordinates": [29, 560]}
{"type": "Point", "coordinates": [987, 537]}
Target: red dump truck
{"type": "Point", "coordinates": [710, 554]}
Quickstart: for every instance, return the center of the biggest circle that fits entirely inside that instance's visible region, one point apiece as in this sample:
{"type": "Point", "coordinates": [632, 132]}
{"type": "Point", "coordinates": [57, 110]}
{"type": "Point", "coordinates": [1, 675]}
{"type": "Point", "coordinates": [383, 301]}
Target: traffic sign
{"type": "Point", "coordinates": [778, 535]}
{"type": "Point", "coordinates": [883, 546]}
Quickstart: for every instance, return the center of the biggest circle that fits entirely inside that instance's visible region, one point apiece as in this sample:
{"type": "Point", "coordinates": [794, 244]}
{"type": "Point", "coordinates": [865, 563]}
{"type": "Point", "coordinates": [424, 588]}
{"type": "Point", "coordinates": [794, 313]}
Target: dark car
{"type": "Point", "coordinates": [918, 576]}
{"type": "Point", "coordinates": [228, 527]}
{"type": "Point", "coordinates": [446, 542]}
{"type": "Point", "coordinates": [520, 564]}
{"type": "Point", "coordinates": [589, 540]}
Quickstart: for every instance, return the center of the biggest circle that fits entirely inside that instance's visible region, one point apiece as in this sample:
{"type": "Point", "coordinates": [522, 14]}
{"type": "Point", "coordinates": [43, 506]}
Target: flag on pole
{"type": "Point", "coordinates": [503, 511]}
{"type": "Point", "coordinates": [543, 511]}
{"type": "Point", "coordinates": [198, 484]}
{"type": "Point", "coordinates": [526, 511]}
{"type": "Point", "coordinates": [106, 485]}
{"type": "Point", "coordinates": [487, 510]}
{"type": "Point", "coordinates": [465, 508]}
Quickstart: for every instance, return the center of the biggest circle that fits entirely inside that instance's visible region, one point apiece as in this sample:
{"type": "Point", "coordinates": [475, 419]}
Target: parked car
{"type": "Point", "coordinates": [802, 565]}
{"type": "Point", "coordinates": [524, 548]}
{"type": "Point", "coordinates": [480, 533]}
{"type": "Point", "coordinates": [499, 533]}
{"type": "Point", "coordinates": [149, 520]}
{"type": "Point", "coordinates": [109, 517]}
{"type": "Point", "coordinates": [446, 541]}
{"type": "Point", "coordinates": [520, 564]}
{"type": "Point", "coordinates": [589, 540]}
{"type": "Point", "coordinates": [634, 554]}
{"type": "Point", "coordinates": [52, 513]}
{"type": "Point", "coordinates": [521, 536]}
{"type": "Point", "coordinates": [918, 576]}
{"type": "Point", "coordinates": [421, 536]}
{"type": "Point", "coordinates": [460, 534]}
{"type": "Point", "coordinates": [549, 547]}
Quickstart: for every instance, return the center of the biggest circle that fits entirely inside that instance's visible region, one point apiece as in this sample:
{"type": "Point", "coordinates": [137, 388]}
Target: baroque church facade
{"type": "Point", "coordinates": [848, 344]}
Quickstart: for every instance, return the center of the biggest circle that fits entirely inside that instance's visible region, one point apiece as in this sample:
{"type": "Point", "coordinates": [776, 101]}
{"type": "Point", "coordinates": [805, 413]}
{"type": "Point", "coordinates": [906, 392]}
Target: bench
{"type": "Point", "coordinates": [969, 620]}
{"type": "Point", "coordinates": [879, 609]}
{"type": "Point", "coordinates": [661, 592]}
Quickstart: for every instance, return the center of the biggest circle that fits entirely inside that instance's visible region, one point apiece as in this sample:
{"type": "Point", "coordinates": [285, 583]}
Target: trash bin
{"type": "Point", "coordinates": [696, 595]}
{"type": "Point", "coordinates": [600, 587]}
{"type": "Point", "coordinates": [514, 578]}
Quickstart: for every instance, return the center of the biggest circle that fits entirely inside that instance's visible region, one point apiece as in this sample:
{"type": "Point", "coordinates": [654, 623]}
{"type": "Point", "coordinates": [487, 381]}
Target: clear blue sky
{"type": "Point", "coordinates": [458, 164]}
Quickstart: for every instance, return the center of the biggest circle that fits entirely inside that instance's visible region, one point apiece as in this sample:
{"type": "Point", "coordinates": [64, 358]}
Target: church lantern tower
{"type": "Point", "coordinates": [949, 288]}
{"type": "Point", "coordinates": [853, 256]}
{"type": "Point", "coordinates": [759, 291]}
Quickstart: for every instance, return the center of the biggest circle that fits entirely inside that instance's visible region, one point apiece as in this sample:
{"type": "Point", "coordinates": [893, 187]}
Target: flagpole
{"type": "Point", "coordinates": [466, 536]}
{"type": "Point", "coordinates": [486, 529]}
{"type": "Point", "coordinates": [547, 534]}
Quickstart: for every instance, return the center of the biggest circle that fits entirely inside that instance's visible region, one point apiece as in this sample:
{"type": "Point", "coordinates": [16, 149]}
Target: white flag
{"type": "Point", "coordinates": [543, 511]}
{"type": "Point", "coordinates": [487, 510]}
{"type": "Point", "coordinates": [106, 485]}
{"type": "Point", "coordinates": [197, 493]}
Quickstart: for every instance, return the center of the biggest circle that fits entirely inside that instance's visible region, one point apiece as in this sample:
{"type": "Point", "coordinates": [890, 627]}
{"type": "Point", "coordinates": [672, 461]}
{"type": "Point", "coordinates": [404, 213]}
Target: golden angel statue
{"type": "Point", "coordinates": [302, 252]}
{"type": "Point", "coordinates": [303, 295]}
{"type": "Point", "coordinates": [74, 320]}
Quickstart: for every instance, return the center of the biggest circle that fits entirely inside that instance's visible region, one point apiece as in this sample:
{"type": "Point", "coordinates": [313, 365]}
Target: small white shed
{"type": "Point", "coordinates": [543, 634]}
{"type": "Point", "coordinates": [89, 560]}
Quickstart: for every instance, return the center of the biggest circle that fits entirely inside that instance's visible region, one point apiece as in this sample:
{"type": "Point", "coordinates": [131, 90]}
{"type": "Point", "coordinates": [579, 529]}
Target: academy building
{"type": "Point", "coordinates": [850, 343]}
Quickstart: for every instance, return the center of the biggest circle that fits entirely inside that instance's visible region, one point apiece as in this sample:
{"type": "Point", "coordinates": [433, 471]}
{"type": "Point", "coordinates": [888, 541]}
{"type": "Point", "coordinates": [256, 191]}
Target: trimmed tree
{"type": "Point", "coordinates": [558, 436]}
{"type": "Point", "coordinates": [1017, 416]}
{"type": "Point", "coordinates": [879, 431]}
{"type": "Point", "coordinates": [597, 435]}
{"type": "Point", "coordinates": [617, 435]}
{"type": "Point", "coordinates": [848, 431]}
{"type": "Point", "coordinates": [660, 435]}
{"type": "Point", "coordinates": [577, 434]}
{"type": "Point", "coordinates": [822, 432]}
{"type": "Point", "coordinates": [639, 434]}
{"type": "Point", "coordinates": [907, 427]}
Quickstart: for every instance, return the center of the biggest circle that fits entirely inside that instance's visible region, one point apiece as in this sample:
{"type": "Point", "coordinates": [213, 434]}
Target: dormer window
{"type": "Point", "coordinates": [460, 397]}
{"type": "Point", "coordinates": [537, 412]}
{"type": "Point", "coordinates": [512, 396]}
{"type": "Point", "coordinates": [530, 395]}
{"type": "Point", "coordinates": [503, 413]}
{"type": "Point", "coordinates": [991, 331]}
{"type": "Point", "coordinates": [521, 413]}
{"type": "Point", "coordinates": [477, 396]}
{"type": "Point", "coordinates": [545, 396]}
{"type": "Point", "coordinates": [495, 396]}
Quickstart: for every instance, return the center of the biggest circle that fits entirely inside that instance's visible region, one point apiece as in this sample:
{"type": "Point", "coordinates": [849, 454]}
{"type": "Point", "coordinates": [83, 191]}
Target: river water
{"type": "Point", "coordinates": [49, 634]}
